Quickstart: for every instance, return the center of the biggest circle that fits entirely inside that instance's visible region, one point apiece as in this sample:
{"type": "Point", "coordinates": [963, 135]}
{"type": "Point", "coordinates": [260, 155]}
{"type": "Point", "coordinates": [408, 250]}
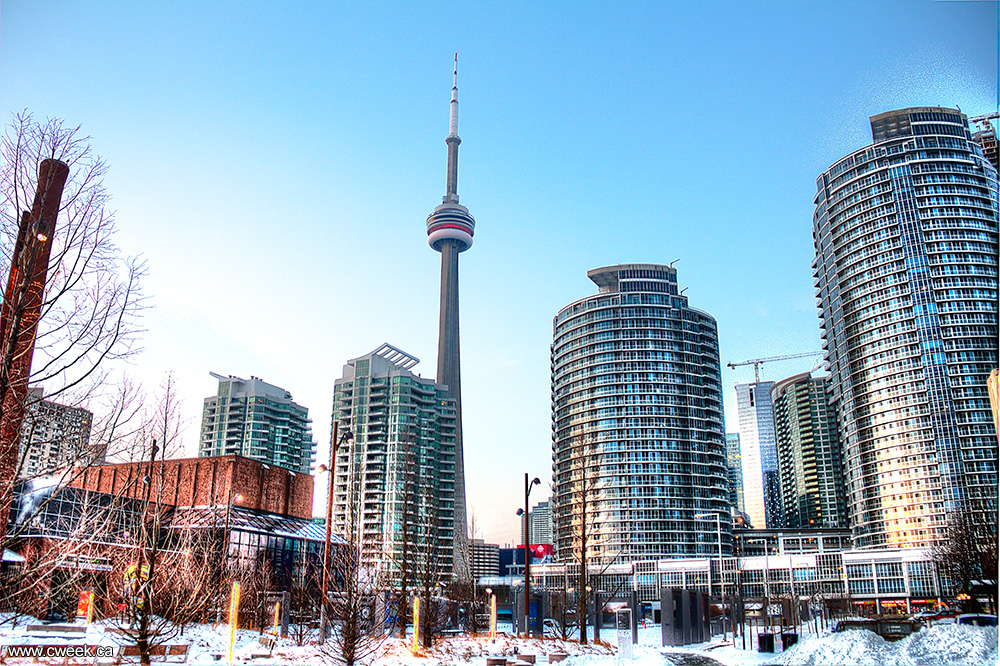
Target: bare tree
{"type": "Point", "coordinates": [969, 553]}
{"type": "Point", "coordinates": [407, 485]}
{"type": "Point", "coordinates": [578, 515]}
{"type": "Point", "coordinates": [156, 567]}
{"type": "Point", "coordinates": [80, 529]}
{"type": "Point", "coordinates": [71, 303]}
{"type": "Point", "coordinates": [357, 632]}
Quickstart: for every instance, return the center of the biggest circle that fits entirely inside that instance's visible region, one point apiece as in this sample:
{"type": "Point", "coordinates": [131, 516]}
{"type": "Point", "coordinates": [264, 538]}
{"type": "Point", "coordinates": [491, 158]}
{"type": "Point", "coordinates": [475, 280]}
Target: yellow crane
{"type": "Point", "coordinates": [757, 362]}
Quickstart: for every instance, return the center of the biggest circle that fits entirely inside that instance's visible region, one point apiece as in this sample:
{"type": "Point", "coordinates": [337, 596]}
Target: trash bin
{"type": "Point", "coordinates": [765, 642]}
{"type": "Point", "coordinates": [788, 639]}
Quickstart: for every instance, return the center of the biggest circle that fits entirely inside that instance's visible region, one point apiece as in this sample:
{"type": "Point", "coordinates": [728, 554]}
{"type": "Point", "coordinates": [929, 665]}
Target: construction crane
{"type": "Point", "coordinates": [982, 120]}
{"type": "Point", "coordinates": [986, 135]}
{"type": "Point", "coordinates": [757, 362]}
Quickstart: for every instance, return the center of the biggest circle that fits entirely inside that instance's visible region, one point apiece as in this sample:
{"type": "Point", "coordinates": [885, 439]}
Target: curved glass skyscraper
{"type": "Point", "coordinates": [638, 443]}
{"type": "Point", "coordinates": [905, 232]}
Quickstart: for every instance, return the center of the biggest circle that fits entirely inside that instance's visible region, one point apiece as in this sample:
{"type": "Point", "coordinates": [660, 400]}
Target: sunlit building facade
{"type": "Point", "coordinates": [638, 450]}
{"type": "Point", "coordinates": [905, 232]}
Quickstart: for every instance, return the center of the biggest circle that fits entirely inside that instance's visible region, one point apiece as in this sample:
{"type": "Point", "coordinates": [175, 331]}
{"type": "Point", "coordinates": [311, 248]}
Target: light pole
{"type": "Point", "coordinates": [335, 443]}
{"type": "Point", "coordinates": [722, 577]}
{"type": "Point", "coordinates": [527, 556]}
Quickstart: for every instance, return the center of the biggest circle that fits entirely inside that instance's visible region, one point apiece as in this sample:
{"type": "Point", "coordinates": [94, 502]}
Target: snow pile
{"type": "Point", "coordinates": [857, 648]}
{"type": "Point", "coordinates": [949, 644]}
{"type": "Point", "coordinates": [942, 645]}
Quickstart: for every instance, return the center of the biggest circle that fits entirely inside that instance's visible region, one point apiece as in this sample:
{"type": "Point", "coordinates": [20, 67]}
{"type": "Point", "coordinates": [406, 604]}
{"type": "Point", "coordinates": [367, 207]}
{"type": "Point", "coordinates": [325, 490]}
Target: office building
{"type": "Point", "coordinates": [394, 480]}
{"type": "Point", "coordinates": [55, 436]}
{"type": "Point", "coordinates": [734, 470]}
{"type": "Point", "coordinates": [758, 455]}
{"type": "Point", "coordinates": [638, 450]}
{"type": "Point", "coordinates": [257, 420]}
{"type": "Point", "coordinates": [905, 232]}
{"type": "Point", "coordinates": [809, 467]}
{"type": "Point", "coordinates": [540, 518]}
{"type": "Point", "coordinates": [450, 228]}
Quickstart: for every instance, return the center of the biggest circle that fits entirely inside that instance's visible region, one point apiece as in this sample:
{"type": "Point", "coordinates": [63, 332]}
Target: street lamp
{"type": "Point", "coordinates": [335, 443]}
{"type": "Point", "coordinates": [527, 539]}
{"type": "Point", "coordinates": [722, 577]}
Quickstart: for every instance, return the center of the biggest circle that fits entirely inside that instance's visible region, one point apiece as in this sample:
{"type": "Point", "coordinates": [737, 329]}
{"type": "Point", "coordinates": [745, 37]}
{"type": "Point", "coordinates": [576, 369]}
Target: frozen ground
{"type": "Point", "coordinates": [938, 646]}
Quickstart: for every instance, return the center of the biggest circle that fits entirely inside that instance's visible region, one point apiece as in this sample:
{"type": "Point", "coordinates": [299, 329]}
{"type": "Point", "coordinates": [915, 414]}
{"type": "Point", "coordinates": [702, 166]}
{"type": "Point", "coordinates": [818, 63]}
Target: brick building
{"type": "Point", "coordinates": [206, 482]}
{"type": "Point", "coordinates": [255, 519]}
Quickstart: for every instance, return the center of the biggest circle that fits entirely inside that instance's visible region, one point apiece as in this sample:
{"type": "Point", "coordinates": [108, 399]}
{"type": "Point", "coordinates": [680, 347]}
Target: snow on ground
{"type": "Point", "coordinates": [942, 645]}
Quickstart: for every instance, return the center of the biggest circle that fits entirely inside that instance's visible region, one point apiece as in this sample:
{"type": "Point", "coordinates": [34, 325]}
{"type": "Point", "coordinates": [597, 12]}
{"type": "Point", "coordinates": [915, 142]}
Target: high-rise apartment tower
{"type": "Point", "coordinates": [809, 467]}
{"type": "Point", "coordinates": [450, 228]}
{"type": "Point", "coordinates": [905, 232]}
{"type": "Point", "coordinates": [638, 450]}
{"type": "Point", "coordinates": [54, 436]}
{"type": "Point", "coordinates": [256, 420]}
{"type": "Point", "coordinates": [394, 482]}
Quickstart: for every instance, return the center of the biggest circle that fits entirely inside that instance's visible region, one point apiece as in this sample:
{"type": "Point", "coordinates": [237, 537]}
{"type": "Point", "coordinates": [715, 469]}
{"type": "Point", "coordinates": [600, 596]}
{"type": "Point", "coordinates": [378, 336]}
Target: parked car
{"type": "Point", "coordinates": [977, 619]}
{"type": "Point", "coordinates": [889, 628]}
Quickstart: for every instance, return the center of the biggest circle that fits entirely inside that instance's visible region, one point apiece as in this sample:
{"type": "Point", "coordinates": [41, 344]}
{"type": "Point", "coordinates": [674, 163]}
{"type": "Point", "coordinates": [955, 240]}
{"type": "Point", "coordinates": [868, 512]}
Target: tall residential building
{"type": "Point", "coordinates": [450, 228]}
{"type": "Point", "coordinates": [758, 455]}
{"type": "Point", "coordinates": [638, 450]}
{"type": "Point", "coordinates": [809, 461]}
{"type": "Point", "coordinates": [905, 232]}
{"type": "Point", "coordinates": [485, 559]}
{"type": "Point", "coordinates": [734, 470]}
{"type": "Point", "coordinates": [256, 420]}
{"type": "Point", "coordinates": [54, 436]}
{"type": "Point", "coordinates": [540, 518]}
{"type": "Point", "coordinates": [394, 482]}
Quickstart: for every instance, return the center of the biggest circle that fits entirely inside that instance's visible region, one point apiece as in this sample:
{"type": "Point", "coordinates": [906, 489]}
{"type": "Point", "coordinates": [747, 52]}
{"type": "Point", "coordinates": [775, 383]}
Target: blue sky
{"type": "Point", "coordinates": [275, 164]}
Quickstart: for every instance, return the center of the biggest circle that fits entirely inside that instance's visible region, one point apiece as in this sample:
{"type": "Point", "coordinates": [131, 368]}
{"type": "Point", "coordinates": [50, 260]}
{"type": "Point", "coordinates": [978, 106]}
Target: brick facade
{"type": "Point", "coordinates": [189, 482]}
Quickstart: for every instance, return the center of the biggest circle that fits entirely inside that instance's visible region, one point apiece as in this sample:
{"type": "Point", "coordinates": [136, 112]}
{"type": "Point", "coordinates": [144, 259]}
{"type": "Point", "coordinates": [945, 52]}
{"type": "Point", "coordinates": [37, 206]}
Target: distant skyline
{"type": "Point", "coordinates": [275, 164]}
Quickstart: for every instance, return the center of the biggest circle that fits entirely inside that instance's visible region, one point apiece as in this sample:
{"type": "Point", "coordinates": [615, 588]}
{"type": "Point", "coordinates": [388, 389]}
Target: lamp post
{"type": "Point", "coordinates": [527, 556]}
{"type": "Point", "coordinates": [335, 443]}
{"type": "Point", "coordinates": [722, 578]}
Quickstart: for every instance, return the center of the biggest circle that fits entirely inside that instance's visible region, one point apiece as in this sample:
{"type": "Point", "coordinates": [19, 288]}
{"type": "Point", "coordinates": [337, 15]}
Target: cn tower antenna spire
{"type": "Point", "coordinates": [453, 125]}
{"type": "Point", "coordinates": [453, 140]}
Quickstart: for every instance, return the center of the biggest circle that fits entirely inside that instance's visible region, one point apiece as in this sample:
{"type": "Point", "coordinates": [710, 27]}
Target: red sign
{"type": "Point", "coordinates": [85, 607]}
{"type": "Point", "coordinates": [541, 553]}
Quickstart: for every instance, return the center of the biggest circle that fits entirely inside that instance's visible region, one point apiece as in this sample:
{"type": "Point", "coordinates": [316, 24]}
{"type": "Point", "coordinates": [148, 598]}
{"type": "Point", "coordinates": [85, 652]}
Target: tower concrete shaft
{"type": "Point", "coordinates": [450, 228]}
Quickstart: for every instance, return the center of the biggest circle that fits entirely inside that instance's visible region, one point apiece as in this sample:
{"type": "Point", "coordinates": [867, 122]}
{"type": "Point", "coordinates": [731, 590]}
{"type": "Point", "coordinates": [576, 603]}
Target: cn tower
{"type": "Point", "coordinates": [450, 228]}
